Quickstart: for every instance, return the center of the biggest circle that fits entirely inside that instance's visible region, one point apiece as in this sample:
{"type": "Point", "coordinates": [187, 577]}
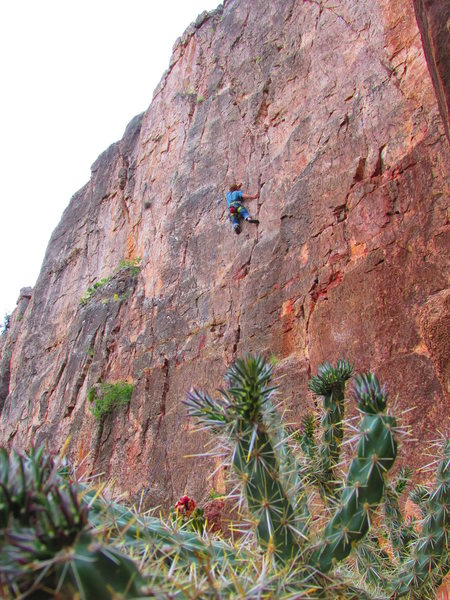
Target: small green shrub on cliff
{"type": "Point", "coordinates": [89, 293]}
{"type": "Point", "coordinates": [6, 322]}
{"type": "Point", "coordinates": [107, 396]}
{"type": "Point", "coordinates": [133, 265]}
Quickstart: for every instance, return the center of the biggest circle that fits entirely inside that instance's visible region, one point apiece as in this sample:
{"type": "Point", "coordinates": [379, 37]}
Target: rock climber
{"type": "Point", "coordinates": [236, 209]}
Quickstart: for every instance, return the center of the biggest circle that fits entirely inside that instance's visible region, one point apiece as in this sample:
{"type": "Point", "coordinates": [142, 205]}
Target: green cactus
{"type": "Point", "coordinates": [428, 560]}
{"type": "Point", "coordinates": [420, 495]}
{"type": "Point", "coordinates": [401, 534]}
{"type": "Point", "coordinates": [61, 538]}
{"type": "Point", "coordinates": [46, 545]}
{"type": "Point", "coordinates": [247, 409]}
{"type": "Point", "coordinates": [330, 384]}
{"type": "Point", "coordinates": [247, 415]}
{"type": "Point", "coordinates": [365, 483]}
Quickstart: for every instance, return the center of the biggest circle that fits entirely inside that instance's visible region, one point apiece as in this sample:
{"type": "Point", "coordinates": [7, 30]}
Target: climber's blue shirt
{"type": "Point", "coordinates": [233, 197]}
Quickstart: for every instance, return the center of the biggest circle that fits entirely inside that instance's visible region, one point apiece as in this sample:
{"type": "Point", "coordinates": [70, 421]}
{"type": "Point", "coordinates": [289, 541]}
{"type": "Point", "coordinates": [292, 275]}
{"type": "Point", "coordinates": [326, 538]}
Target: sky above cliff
{"type": "Point", "coordinates": [73, 74]}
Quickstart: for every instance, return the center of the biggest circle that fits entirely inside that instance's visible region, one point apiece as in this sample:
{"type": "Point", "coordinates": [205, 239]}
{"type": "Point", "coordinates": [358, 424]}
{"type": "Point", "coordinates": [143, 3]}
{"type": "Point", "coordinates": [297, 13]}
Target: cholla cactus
{"type": "Point", "coordinates": [365, 484]}
{"type": "Point", "coordinates": [246, 416]}
{"type": "Point", "coordinates": [273, 483]}
{"type": "Point", "coordinates": [46, 546]}
{"type": "Point", "coordinates": [324, 458]}
{"type": "Point", "coordinates": [59, 538]}
{"type": "Point", "coordinates": [426, 561]}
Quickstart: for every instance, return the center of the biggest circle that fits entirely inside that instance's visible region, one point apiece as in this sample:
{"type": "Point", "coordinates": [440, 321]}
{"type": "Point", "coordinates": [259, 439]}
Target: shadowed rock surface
{"type": "Point", "coordinates": [330, 112]}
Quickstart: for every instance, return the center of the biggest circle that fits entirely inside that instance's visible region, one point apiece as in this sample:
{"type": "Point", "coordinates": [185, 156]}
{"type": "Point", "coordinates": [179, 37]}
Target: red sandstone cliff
{"type": "Point", "coordinates": [332, 112]}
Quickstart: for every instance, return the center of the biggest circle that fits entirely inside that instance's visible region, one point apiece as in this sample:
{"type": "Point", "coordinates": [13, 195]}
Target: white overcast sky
{"type": "Point", "coordinates": [73, 73]}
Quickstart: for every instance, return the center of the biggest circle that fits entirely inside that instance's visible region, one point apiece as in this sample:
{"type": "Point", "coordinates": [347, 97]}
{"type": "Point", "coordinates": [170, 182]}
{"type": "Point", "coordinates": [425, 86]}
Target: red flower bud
{"type": "Point", "coordinates": [185, 505]}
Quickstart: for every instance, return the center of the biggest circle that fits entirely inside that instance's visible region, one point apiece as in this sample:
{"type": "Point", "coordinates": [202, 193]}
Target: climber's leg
{"type": "Point", "coordinates": [234, 218]}
{"type": "Point", "coordinates": [243, 212]}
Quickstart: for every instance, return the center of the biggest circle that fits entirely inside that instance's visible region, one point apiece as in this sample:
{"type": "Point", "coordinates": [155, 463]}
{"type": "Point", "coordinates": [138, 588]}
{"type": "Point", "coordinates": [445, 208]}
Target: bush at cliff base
{"type": "Point", "coordinates": [311, 525]}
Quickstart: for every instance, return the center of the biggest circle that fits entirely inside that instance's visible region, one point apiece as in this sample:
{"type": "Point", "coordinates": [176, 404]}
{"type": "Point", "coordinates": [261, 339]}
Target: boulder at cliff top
{"type": "Point", "coordinates": [329, 111]}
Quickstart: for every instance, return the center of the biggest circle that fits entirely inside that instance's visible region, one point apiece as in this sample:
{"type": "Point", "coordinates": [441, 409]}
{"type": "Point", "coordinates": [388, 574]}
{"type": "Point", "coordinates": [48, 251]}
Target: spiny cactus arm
{"type": "Point", "coordinates": [256, 464]}
{"type": "Point", "coordinates": [365, 482]}
{"type": "Point", "coordinates": [251, 394]}
{"type": "Point", "coordinates": [307, 436]}
{"type": "Point", "coordinates": [261, 455]}
{"type": "Point", "coordinates": [401, 534]}
{"type": "Point", "coordinates": [402, 480]}
{"type": "Point", "coordinates": [143, 532]}
{"type": "Point", "coordinates": [291, 472]}
{"type": "Point", "coordinates": [21, 484]}
{"type": "Point", "coordinates": [85, 569]}
{"type": "Point", "coordinates": [48, 547]}
{"type": "Point", "coordinates": [330, 384]}
{"type": "Point", "coordinates": [429, 562]}
{"type": "Point", "coordinates": [210, 412]}
{"type": "Point", "coordinates": [314, 469]}
{"type": "Point", "coordinates": [372, 563]}
{"type": "Point", "coordinates": [96, 570]}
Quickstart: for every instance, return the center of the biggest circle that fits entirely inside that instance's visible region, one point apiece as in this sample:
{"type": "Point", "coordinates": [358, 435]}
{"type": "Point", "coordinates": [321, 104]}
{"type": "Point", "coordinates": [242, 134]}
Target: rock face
{"type": "Point", "coordinates": [433, 18]}
{"type": "Point", "coordinates": [329, 111]}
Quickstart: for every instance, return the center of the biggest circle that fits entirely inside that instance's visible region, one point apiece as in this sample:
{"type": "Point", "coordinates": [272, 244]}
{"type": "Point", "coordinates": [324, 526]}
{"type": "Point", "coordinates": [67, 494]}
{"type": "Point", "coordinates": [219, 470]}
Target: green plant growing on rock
{"type": "Point", "coordinates": [106, 397]}
{"type": "Point", "coordinates": [273, 481]}
{"type": "Point", "coordinates": [129, 266]}
{"type": "Point", "coordinates": [91, 291]}
{"type": "Point", "coordinates": [132, 265]}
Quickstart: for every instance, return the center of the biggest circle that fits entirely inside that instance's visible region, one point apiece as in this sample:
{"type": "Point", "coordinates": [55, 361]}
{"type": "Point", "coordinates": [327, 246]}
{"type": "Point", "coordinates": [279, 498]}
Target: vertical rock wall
{"type": "Point", "coordinates": [329, 112]}
{"type": "Point", "coordinates": [433, 18]}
